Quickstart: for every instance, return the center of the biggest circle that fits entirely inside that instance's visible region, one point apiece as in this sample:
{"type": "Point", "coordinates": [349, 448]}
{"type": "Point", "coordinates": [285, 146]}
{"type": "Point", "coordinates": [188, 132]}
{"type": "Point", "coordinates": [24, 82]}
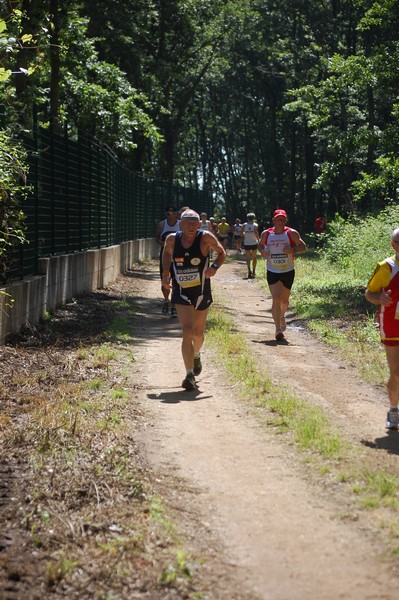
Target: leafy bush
{"type": "Point", "coordinates": [358, 243]}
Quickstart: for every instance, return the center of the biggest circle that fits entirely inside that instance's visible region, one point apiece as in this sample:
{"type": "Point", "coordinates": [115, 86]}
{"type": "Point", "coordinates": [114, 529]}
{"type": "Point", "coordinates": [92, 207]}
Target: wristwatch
{"type": "Point", "coordinates": [214, 266]}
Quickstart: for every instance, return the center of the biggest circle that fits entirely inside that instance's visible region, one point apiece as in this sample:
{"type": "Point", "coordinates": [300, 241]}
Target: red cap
{"type": "Point", "coordinates": [279, 212]}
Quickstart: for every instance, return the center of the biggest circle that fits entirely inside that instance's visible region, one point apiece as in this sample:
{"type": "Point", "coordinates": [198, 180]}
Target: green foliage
{"type": "Point", "coordinates": [308, 425]}
{"type": "Point", "coordinates": [13, 190]}
{"type": "Point", "coordinates": [97, 96]}
{"type": "Point", "coordinates": [356, 244]}
{"type": "Point", "coordinates": [20, 36]}
{"type": "Point", "coordinates": [329, 289]}
{"type": "Point", "coordinates": [264, 103]}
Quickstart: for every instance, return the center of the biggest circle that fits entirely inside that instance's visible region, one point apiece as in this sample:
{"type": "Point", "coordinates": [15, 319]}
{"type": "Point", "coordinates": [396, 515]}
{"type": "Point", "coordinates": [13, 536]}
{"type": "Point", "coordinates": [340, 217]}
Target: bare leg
{"type": "Point", "coordinates": [280, 297]}
{"type": "Point", "coordinates": [254, 261]}
{"type": "Point", "coordinates": [166, 293]}
{"type": "Point", "coordinates": [392, 353]}
{"type": "Point", "coordinates": [248, 260]}
{"type": "Point", "coordinates": [192, 323]}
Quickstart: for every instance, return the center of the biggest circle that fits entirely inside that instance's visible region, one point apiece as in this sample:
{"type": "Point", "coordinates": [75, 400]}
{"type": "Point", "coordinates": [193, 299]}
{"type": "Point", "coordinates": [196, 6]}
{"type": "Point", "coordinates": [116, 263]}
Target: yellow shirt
{"type": "Point", "coordinates": [381, 277]}
{"type": "Point", "coordinates": [223, 229]}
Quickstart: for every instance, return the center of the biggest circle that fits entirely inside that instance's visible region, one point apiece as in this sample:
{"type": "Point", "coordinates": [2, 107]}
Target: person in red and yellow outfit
{"type": "Point", "coordinates": [383, 290]}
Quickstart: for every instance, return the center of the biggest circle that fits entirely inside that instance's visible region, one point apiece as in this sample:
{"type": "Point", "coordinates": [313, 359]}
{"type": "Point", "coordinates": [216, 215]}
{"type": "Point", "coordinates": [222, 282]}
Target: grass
{"type": "Point", "coordinates": [307, 425]}
{"type": "Point", "coordinates": [76, 430]}
{"type": "Point", "coordinates": [85, 474]}
{"type": "Point", "coordinates": [334, 308]}
{"type": "Point", "coordinates": [302, 424]}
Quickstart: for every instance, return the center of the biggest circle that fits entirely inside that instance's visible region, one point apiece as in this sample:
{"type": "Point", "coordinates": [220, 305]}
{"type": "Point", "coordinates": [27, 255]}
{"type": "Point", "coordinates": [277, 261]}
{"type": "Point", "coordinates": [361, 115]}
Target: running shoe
{"type": "Point", "coordinates": [392, 419]}
{"type": "Point", "coordinates": [283, 324]}
{"type": "Point", "coordinates": [173, 312]}
{"type": "Point", "coordinates": [280, 336]}
{"type": "Point", "coordinates": [189, 382]}
{"type": "Point", "coordinates": [197, 365]}
{"type": "Point", "coordinates": [249, 275]}
{"type": "Point", "coordinates": [165, 308]}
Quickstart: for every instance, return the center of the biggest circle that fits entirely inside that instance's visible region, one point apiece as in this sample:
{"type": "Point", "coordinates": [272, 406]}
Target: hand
{"type": "Point", "coordinates": [210, 272]}
{"type": "Point", "coordinates": [166, 282]}
{"type": "Point", "coordinates": [385, 298]}
{"type": "Point", "coordinates": [288, 249]}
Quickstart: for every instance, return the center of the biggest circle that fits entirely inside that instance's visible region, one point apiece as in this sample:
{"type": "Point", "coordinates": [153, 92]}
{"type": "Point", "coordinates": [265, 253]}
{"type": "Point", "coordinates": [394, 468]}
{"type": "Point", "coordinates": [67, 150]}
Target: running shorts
{"type": "Point", "coordinates": [192, 298]}
{"type": "Point", "coordinates": [287, 278]}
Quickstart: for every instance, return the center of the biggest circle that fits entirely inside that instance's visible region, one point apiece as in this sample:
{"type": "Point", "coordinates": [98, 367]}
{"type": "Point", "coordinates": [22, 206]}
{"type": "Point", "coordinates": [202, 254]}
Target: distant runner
{"type": "Point", "coordinates": [250, 235]}
{"type": "Point", "coordinates": [169, 225]}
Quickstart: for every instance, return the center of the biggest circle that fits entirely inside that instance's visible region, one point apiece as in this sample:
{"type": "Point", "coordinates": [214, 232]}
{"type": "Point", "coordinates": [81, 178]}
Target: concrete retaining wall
{"type": "Point", "coordinates": [62, 278]}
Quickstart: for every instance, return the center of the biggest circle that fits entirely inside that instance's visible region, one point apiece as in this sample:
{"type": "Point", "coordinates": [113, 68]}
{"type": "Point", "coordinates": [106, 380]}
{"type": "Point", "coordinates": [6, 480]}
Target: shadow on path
{"type": "Point", "coordinates": [389, 442]}
{"type": "Point", "coordinates": [177, 397]}
{"type": "Point", "coordinates": [273, 342]}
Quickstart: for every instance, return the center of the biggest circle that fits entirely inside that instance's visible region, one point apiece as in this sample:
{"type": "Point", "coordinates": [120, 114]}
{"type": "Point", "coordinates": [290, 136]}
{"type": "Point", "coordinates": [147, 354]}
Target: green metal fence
{"type": "Point", "coordinates": [83, 197]}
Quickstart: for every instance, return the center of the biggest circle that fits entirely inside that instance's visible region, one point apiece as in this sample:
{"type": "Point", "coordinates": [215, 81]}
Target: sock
{"type": "Point", "coordinates": [197, 355]}
{"type": "Point", "coordinates": [190, 371]}
{"type": "Point", "coordinates": [394, 408]}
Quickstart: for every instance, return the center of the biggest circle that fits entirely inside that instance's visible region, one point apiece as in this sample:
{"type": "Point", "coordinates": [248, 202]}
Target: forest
{"type": "Point", "coordinates": [262, 103]}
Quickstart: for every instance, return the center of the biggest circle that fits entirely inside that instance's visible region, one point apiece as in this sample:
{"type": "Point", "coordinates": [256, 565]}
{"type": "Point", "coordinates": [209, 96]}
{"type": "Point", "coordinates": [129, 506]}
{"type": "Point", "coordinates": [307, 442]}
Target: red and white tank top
{"type": "Point", "coordinates": [278, 261]}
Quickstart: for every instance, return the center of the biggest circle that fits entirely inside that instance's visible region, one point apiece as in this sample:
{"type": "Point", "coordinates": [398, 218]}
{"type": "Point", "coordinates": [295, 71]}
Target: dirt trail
{"type": "Point", "coordinates": [240, 493]}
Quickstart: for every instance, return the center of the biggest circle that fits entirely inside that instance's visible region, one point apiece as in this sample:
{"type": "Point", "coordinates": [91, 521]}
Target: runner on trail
{"type": "Point", "coordinates": [320, 227]}
{"type": "Point", "coordinates": [223, 232]}
{"type": "Point", "coordinates": [383, 290]}
{"type": "Point", "coordinates": [237, 237]}
{"type": "Point", "coordinates": [250, 235]}
{"type": "Point", "coordinates": [169, 225]}
{"type": "Point", "coordinates": [213, 228]}
{"type": "Point", "coordinates": [278, 245]}
{"type": "Point", "coordinates": [205, 223]}
{"type": "Point", "coordinates": [186, 261]}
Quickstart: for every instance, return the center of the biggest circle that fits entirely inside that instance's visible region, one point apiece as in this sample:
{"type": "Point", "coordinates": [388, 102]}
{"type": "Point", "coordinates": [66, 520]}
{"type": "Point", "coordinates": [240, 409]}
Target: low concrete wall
{"type": "Point", "coordinates": [62, 278]}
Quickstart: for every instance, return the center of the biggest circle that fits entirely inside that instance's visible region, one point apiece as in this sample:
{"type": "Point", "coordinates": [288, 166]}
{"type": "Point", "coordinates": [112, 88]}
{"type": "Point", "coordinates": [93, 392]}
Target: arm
{"type": "Point", "coordinates": [299, 246]}
{"type": "Point", "coordinates": [210, 243]}
{"type": "Point", "coordinates": [380, 298]}
{"type": "Point", "coordinates": [158, 233]}
{"type": "Point", "coordinates": [167, 256]}
{"type": "Point", "coordinates": [262, 245]}
{"type": "Point", "coordinates": [379, 280]}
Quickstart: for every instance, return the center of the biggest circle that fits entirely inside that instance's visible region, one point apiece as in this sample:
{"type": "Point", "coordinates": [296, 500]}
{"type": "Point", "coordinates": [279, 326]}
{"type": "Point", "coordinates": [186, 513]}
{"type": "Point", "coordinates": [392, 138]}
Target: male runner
{"type": "Point", "coordinates": [223, 232]}
{"type": "Point", "coordinates": [250, 234]}
{"type": "Point", "coordinates": [186, 261]}
{"type": "Point", "coordinates": [383, 290]}
{"type": "Point", "coordinates": [278, 245]}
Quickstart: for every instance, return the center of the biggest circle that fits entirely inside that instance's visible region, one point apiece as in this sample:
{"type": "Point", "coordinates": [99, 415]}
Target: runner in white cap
{"type": "Point", "coordinates": [186, 262]}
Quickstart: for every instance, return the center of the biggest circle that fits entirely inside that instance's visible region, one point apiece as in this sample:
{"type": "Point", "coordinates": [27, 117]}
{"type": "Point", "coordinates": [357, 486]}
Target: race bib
{"type": "Point", "coordinates": [188, 278]}
{"type": "Point", "coordinates": [279, 261]}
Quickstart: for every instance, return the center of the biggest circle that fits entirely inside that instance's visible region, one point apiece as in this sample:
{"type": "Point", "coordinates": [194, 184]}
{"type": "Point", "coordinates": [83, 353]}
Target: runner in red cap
{"type": "Point", "coordinates": [279, 212]}
{"type": "Point", "coordinates": [278, 245]}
